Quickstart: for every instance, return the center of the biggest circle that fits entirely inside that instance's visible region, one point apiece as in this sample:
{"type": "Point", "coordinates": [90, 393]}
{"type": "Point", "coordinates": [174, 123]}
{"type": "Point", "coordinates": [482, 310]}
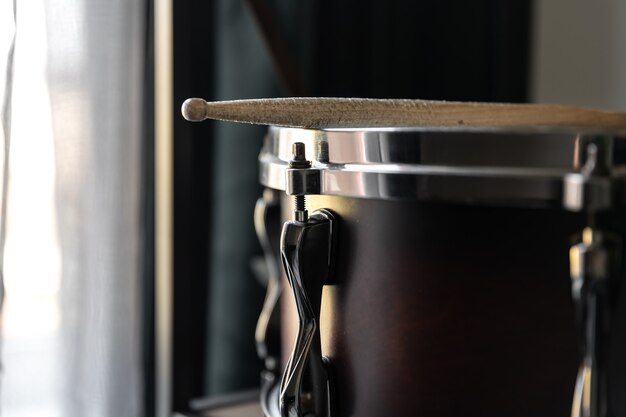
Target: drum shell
{"type": "Point", "coordinates": [448, 310]}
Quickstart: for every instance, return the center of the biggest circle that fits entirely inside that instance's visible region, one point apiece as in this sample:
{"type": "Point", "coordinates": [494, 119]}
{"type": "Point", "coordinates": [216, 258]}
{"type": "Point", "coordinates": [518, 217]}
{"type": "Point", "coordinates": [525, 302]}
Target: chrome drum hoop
{"type": "Point", "coordinates": [493, 167]}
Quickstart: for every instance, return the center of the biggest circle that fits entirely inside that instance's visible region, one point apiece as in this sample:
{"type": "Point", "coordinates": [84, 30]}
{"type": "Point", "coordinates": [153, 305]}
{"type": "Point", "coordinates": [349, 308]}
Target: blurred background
{"type": "Point", "coordinates": [126, 233]}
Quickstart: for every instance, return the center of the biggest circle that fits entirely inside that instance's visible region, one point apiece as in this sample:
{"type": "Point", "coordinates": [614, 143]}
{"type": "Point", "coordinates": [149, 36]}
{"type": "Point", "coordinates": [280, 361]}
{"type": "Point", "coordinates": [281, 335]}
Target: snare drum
{"type": "Point", "coordinates": [445, 272]}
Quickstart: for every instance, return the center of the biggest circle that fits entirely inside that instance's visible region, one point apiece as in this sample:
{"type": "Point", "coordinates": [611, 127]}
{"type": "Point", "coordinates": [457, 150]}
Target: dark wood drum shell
{"type": "Point", "coordinates": [451, 310]}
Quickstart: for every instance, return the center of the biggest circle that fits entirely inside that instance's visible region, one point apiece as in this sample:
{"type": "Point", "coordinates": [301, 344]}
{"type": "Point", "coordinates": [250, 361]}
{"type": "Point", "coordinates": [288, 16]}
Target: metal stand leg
{"type": "Point", "coordinates": [593, 270]}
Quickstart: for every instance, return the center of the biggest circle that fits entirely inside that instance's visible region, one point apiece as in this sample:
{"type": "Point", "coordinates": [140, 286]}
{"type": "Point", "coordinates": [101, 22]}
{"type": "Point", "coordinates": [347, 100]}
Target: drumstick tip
{"type": "Point", "coordinates": [194, 109]}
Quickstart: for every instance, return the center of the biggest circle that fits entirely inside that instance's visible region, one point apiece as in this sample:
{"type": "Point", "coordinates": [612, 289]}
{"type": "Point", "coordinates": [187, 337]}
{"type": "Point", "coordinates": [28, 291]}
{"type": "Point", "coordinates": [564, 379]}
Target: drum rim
{"type": "Point", "coordinates": [348, 173]}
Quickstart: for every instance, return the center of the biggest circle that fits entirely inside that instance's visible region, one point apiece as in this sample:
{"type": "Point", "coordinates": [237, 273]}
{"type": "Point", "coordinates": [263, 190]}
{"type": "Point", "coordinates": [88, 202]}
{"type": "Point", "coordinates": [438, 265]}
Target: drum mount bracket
{"type": "Point", "coordinates": [307, 257]}
{"type": "Point", "coordinates": [306, 251]}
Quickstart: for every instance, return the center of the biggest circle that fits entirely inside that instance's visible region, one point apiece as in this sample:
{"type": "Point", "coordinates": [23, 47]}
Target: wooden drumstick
{"type": "Point", "coordinates": [323, 113]}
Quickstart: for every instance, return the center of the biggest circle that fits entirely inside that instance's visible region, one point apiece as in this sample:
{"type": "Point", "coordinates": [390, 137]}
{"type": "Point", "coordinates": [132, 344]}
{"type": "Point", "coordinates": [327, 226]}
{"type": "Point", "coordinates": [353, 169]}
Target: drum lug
{"type": "Point", "coordinates": [593, 270]}
{"type": "Point", "coordinates": [303, 181]}
{"type": "Point", "coordinates": [267, 334]}
{"type": "Point", "coordinates": [306, 249]}
{"type": "Point", "coordinates": [590, 189]}
{"type": "Point", "coordinates": [300, 178]}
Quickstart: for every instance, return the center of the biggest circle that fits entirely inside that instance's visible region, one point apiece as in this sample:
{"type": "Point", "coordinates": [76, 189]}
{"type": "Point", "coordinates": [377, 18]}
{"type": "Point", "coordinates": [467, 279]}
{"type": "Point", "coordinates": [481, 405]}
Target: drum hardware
{"type": "Point", "coordinates": [594, 265]}
{"type": "Point", "coordinates": [301, 179]}
{"type": "Point", "coordinates": [306, 250]}
{"type": "Point", "coordinates": [299, 165]}
{"type": "Point", "coordinates": [591, 188]}
{"type": "Point", "coordinates": [411, 165]}
{"type": "Point", "coordinates": [267, 334]}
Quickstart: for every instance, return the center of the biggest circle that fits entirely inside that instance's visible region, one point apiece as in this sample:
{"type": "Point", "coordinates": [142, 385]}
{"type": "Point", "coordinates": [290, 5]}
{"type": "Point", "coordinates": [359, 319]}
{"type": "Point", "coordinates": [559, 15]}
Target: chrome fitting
{"type": "Point", "coordinates": [591, 189]}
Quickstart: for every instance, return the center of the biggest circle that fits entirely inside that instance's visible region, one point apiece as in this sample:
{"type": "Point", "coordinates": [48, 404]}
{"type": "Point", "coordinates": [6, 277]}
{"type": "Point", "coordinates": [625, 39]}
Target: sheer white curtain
{"type": "Point", "coordinates": [71, 324]}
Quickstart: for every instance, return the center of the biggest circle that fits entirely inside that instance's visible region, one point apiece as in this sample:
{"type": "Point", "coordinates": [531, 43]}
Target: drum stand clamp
{"type": "Point", "coordinates": [594, 270]}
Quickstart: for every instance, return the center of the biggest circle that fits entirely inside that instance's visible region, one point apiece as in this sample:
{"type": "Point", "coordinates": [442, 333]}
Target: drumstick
{"type": "Point", "coordinates": [324, 113]}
